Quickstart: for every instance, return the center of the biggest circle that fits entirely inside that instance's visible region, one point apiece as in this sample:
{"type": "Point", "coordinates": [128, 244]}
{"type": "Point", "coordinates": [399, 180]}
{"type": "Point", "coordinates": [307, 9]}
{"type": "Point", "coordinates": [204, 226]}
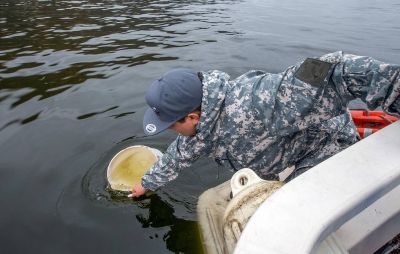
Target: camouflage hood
{"type": "Point", "coordinates": [215, 88]}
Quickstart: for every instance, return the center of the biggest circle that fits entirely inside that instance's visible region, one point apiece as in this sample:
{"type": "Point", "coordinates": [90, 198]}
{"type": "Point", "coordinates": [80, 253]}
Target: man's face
{"type": "Point", "coordinates": [187, 127]}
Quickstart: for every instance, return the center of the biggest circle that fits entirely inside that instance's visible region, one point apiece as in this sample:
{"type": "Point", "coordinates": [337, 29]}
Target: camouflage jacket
{"type": "Point", "coordinates": [268, 122]}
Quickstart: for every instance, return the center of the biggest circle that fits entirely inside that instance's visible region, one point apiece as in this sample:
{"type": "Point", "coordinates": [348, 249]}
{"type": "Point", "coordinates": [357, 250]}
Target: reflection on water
{"type": "Point", "coordinates": [51, 46]}
{"type": "Point", "coordinates": [160, 215]}
{"type": "Point", "coordinates": [73, 75]}
{"type": "Point", "coordinates": [97, 113]}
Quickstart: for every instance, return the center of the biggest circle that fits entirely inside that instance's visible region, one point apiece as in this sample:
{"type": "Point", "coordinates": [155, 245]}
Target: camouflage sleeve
{"type": "Point", "coordinates": [180, 154]}
{"type": "Point", "coordinates": [317, 90]}
{"type": "Point", "coordinates": [375, 82]}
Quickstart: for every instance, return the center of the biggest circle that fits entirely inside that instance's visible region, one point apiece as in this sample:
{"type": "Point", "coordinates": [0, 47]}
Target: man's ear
{"type": "Point", "coordinates": [194, 116]}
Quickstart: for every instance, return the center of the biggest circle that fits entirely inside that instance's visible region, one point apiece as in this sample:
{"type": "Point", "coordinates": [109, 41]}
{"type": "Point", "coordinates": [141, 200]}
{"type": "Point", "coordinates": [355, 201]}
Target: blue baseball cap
{"type": "Point", "coordinates": [170, 98]}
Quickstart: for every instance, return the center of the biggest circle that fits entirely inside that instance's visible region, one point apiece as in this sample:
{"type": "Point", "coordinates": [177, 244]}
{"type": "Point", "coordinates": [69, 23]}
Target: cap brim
{"type": "Point", "coordinates": [152, 125]}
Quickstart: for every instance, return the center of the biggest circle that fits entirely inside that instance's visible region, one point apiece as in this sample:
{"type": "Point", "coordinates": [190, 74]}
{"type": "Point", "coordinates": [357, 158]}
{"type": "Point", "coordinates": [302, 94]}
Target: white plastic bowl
{"type": "Point", "coordinates": [128, 166]}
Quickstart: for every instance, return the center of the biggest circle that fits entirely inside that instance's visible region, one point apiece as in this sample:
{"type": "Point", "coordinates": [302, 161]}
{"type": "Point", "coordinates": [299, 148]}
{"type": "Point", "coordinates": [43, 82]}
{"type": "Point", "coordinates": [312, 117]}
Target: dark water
{"type": "Point", "coordinates": [73, 75]}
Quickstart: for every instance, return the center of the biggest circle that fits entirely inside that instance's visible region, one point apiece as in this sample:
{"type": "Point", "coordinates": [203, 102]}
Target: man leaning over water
{"type": "Point", "coordinates": [264, 121]}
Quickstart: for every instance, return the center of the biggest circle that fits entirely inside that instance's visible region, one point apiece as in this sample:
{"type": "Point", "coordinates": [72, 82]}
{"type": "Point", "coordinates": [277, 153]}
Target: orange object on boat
{"type": "Point", "coordinates": [368, 122]}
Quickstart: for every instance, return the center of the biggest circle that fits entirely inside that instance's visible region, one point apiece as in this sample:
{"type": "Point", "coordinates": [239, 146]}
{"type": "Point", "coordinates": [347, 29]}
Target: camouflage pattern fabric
{"type": "Point", "coordinates": [268, 122]}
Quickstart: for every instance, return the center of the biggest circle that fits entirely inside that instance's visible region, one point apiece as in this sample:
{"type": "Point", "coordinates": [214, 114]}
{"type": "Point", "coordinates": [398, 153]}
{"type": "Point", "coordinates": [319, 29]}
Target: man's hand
{"type": "Point", "coordinates": [137, 191]}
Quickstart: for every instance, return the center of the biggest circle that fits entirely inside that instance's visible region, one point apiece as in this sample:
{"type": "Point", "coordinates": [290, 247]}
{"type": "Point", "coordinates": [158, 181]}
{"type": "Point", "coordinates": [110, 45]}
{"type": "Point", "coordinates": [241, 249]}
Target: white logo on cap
{"type": "Point", "coordinates": [151, 128]}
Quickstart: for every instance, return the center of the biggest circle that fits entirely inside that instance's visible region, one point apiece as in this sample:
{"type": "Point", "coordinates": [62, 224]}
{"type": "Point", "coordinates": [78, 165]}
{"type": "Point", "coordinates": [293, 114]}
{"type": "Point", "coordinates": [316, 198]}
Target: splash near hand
{"type": "Point", "coordinates": [137, 191]}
